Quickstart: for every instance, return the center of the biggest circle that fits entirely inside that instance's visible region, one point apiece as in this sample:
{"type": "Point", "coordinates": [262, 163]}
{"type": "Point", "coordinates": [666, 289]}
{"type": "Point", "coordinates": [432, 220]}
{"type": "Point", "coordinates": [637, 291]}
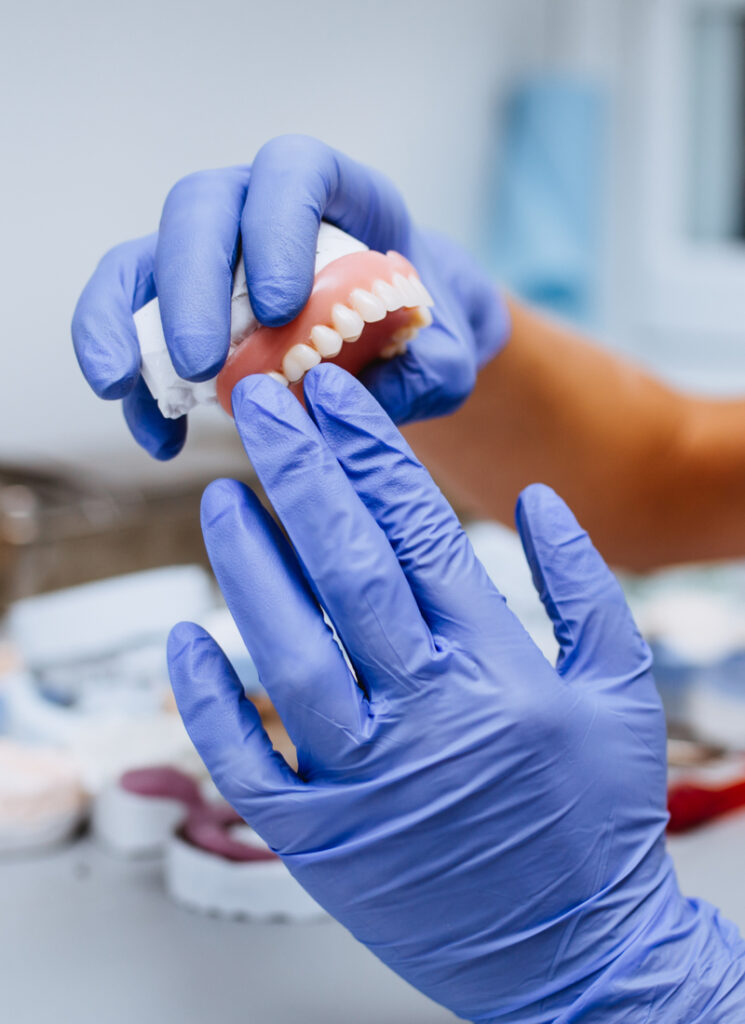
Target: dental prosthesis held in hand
{"type": "Point", "coordinates": [364, 306]}
{"type": "Point", "coordinates": [266, 216]}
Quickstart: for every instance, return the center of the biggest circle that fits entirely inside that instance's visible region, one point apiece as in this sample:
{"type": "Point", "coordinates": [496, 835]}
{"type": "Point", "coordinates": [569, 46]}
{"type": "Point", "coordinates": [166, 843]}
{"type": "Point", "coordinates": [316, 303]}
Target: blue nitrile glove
{"type": "Point", "coordinates": [490, 826]}
{"type": "Point", "coordinates": [274, 209]}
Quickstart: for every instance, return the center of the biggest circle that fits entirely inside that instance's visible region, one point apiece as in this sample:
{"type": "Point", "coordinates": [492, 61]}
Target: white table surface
{"type": "Point", "coordinates": [89, 939]}
{"type": "Point", "coordinates": [711, 865]}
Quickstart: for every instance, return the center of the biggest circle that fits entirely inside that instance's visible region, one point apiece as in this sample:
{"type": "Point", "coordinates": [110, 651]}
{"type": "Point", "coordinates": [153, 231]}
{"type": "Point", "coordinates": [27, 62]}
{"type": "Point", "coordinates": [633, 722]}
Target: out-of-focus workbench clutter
{"type": "Point", "coordinates": [89, 729]}
{"type": "Point", "coordinates": [59, 527]}
{"type": "Point", "coordinates": [694, 621]}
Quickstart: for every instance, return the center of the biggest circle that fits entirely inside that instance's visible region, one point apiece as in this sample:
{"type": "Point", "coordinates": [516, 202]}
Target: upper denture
{"type": "Point", "coordinates": [374, 300]}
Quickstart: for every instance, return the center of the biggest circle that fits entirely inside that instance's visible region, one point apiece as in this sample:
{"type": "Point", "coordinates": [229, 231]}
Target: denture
{"type": "Point", "coordinates": [364, 306]}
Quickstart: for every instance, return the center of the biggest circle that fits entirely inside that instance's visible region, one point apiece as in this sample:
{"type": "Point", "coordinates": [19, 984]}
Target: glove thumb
{"type": "Point", "coordinates": [599, 642]}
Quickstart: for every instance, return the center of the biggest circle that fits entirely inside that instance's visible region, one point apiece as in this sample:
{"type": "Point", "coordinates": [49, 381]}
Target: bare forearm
{"type": "Point", "coordinates": [656, 476]}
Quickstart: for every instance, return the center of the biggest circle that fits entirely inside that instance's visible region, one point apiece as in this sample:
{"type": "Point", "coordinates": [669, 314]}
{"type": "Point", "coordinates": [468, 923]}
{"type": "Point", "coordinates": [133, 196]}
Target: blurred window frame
{"type": "Point", "coordinates": [684, 284]}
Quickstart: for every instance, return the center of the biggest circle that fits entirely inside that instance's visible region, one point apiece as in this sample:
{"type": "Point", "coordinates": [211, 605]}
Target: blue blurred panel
{"type": "Point", "coordinates": [545, 237]}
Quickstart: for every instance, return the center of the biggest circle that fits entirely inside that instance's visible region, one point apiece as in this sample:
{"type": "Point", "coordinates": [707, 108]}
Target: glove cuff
{"type": "Point", "coordinates": [494, 332]}
{"type": "Point", "coordinates": [688, 964]}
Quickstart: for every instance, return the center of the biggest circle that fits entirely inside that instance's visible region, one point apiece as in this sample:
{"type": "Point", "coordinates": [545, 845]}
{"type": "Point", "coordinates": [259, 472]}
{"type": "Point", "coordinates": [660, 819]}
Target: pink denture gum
{"type": "Point", "coordinates": [205, 824]}
{"type": "Point", "coordinates": [212, 861]}
{"type": "Point", "coordinates": [364, 306]}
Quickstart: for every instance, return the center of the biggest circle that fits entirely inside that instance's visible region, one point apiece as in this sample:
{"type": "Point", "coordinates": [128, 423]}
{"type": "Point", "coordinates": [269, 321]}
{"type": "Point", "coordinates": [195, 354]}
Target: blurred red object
{"type": "Point", "coordinates": [692, 803]}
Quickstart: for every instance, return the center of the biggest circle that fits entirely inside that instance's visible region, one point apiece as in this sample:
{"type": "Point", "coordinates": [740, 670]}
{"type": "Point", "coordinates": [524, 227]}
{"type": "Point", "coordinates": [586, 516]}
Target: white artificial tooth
{"type": "Point", "coordinates": [396, 348]}
{"type": "Point", "coordinates": [410, 296]}
{"type": "Point", "coordinates": [326, 340]}
{"type": "Point", "coordinates": [422, 316]}
{"type": "Point", "coordinates": [279, 377]}
{"type": "Point", "coordinates": [425, 299]}
{"type": "Point", "coordinates": [298, 360]}
{"type": "Point", "coordinates": [369, 306]}
{"type": "Point", "coordinates": [404, 334]}
{"type": "Point", "coordinates": [416, 287]}
{"type": "Point", "coordinates": [347, 322]}
{"type": "Point", "coordinates": [388, 295]}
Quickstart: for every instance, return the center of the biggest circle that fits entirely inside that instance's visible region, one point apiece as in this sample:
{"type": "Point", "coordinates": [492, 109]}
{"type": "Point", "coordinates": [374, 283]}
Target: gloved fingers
{"type": "Point", "coordinates": [488, 316]}
{"type": "Point", "coordinates": [226, 730]}
{"type": "Point", "coordinates": [433, 377]}
{"type": "Point", "coordinates": [160, 437]}
{"type": "Point", "coordinates": [598, 638]}
{"type": "Point", "coordinates": [449, 583]}
{"type": "Point", "coordinates": [194, 261]}
{"type": "Point", "coordinates": [103, 331]}
{"type": "Point", "coordinates": [298, 660]}
{"type": "Point", "coordinates": [344, 554]}
{"type": "Point", "coordinates": [297, 181]}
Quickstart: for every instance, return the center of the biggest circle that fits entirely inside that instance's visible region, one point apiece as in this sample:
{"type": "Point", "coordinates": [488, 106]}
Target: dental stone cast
{"type": "Point", "coordinates": [213, 862]}
{"type": "Point", "coordinates": [366, 295]}
{"type": "Point", "coordinates": [176, 396]}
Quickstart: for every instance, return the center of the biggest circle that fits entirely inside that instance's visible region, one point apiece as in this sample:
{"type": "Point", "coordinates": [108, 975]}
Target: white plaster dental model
{"type": "Point", "coordinates": [213, 861]}
{"type": "Point", "coordinates": [136, 814]}
{"type": "Point", "coordinates": [257, 888]}
{"type": "Point", "coordinates": [364, 306]}
{"type": "Point", "coordinates": [42, 800]}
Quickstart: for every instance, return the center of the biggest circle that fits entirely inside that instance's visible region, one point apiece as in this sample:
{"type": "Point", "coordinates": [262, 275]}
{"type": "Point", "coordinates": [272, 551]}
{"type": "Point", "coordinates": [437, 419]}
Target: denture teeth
{"type": "Point", "coordinates": [388, 295]}
{"type": "Point", "coordinates": [279, 377]}
{"type": "Point", "coordinates": [370, 308]}
{"type": "Point", "coordinates": [298, 360]}
{"type": "Point", "coordinates": [326, 340]}
{"type": "Point", "coordinates": [425, 299]}
{"type": "Point", "coordinates": [347, 322]}
{"type": "Point", "coordinates": [404, 334]}
{"type": "Point", "coordinates": [409, 294]}
{"type": "Point", "coordinates": [396, 348]}
{"type": "Point", "coordinates": [422, 316]}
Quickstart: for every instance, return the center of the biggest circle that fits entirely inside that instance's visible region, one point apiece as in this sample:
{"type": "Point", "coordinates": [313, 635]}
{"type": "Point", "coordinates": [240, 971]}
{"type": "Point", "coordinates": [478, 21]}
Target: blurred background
{"type": "Point", "coordinates": [590, 152]}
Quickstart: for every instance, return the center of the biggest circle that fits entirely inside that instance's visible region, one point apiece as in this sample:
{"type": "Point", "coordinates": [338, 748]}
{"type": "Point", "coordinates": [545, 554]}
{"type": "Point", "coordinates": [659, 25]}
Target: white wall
{"type": "Point", "coordinates": [104, 106]}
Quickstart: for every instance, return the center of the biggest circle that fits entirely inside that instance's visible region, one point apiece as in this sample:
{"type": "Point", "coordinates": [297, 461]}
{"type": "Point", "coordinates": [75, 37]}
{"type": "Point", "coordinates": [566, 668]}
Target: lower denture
{"type": "Point", "coordinates": [364, 306]}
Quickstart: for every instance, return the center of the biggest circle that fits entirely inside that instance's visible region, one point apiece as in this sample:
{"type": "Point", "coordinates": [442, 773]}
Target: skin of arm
{"type": "Point", "coordinates": [657, 476]}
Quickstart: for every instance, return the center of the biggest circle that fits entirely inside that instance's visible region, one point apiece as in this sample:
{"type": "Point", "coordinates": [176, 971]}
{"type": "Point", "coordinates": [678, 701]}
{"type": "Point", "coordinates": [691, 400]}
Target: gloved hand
{"type": "Point", "coordinates": [490, 826]}
{"type": "Point", "coordinates": [274, 209]}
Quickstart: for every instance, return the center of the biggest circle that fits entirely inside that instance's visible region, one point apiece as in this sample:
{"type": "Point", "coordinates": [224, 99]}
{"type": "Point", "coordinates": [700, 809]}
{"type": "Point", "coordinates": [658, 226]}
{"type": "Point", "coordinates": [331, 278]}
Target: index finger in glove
{"type": "Point", "coordinates": [103, 331]}
{"type": "Point", "coordinates": [297, 181]}
{"type": "Point", "coordinates": [449, 583]}
{"type": "Point", "coordinates": [344, 554]}
{"type": "Point", "coordinates": [194, 261]}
